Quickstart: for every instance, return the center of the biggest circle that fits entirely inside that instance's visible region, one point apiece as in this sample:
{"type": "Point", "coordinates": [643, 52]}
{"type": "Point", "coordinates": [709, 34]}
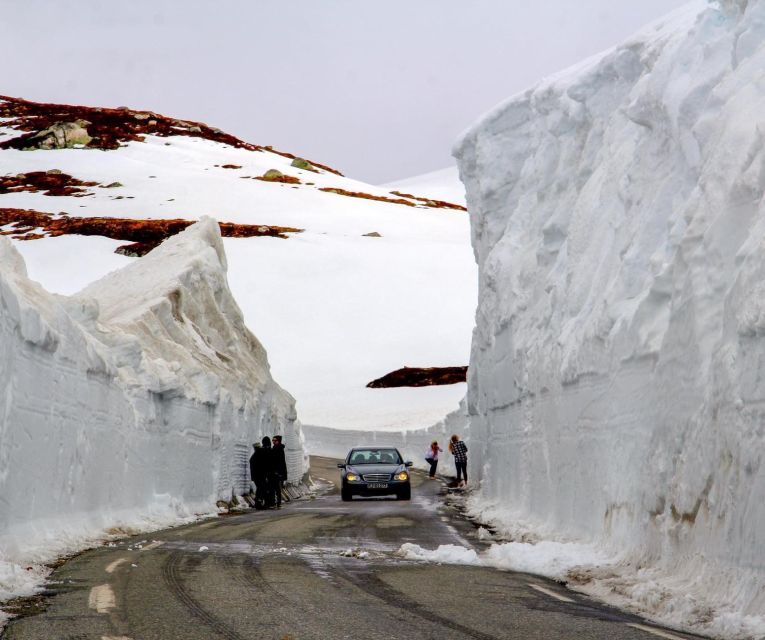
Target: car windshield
{"type": "Point", "coordinates": [374, 456]}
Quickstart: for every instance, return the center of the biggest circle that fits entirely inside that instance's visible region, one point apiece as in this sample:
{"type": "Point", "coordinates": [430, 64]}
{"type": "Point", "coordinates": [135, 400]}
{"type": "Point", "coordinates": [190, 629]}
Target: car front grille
{"type": "Point", "coordinates": [376, 477]}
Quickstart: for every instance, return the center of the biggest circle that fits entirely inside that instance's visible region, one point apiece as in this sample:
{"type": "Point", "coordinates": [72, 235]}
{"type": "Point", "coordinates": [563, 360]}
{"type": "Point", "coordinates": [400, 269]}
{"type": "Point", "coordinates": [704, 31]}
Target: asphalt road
{"type": "Point", "coordinates": [281, 575]}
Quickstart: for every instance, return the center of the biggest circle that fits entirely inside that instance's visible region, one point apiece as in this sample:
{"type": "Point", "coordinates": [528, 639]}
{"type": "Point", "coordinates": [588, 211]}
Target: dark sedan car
{"type": "Point", "coordinates": [375, 471]}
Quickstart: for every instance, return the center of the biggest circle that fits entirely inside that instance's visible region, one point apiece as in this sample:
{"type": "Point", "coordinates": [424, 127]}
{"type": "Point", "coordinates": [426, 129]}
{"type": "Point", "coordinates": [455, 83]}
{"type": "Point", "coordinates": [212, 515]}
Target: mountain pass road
{"type": "Point", "coordinates": [316, 569]}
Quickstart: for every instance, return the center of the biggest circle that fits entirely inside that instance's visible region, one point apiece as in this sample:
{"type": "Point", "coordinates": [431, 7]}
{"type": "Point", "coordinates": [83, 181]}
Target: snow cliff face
{"type": "Point", "coordinates": [617, 378]}
{"type": "Point", "coordinates": [138, 398]}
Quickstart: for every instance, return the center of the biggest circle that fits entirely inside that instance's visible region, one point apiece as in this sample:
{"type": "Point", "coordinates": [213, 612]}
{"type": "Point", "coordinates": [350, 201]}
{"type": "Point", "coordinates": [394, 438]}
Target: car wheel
{"type": "Point", "coordinates": [346, 495]}
{"type": "Point", "coordinates": [405, 494]}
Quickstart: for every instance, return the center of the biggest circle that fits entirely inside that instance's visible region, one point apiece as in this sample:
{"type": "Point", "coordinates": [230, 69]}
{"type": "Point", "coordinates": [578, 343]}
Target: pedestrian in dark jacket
{"type": "Point", "coordinates": [257, 474]}
{"type": "Point", "coordinates": [459, 450]}
{"type": "Point", "coordinates": [280, 469]}
{"type": "Point", "coordinates": [261, 469]}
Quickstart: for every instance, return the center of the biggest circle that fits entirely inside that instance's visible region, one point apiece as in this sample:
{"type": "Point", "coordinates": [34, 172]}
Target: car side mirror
{"type": "Point", "coordinates": [341, 465]}
{"type": "Point", "coordinates": [409, 464]}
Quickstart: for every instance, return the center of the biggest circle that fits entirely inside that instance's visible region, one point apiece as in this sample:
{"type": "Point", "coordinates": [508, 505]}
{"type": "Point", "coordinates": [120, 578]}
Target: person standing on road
{"type": "Point", "coordinates": [257, 474]}
{"type": "Point", "coordinates": [431, 456]}
{"type": "Point", "coordinates": [263, 474]}
{"type": "Point", "coordinates": [459, 450]}
{"type": "Point", "coordinates": [280, 469]}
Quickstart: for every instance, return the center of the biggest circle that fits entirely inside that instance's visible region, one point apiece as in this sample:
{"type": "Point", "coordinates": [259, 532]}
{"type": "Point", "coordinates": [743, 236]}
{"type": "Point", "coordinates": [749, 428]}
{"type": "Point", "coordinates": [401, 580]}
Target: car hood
{"type": "Point", "coordinates": [363, 469]}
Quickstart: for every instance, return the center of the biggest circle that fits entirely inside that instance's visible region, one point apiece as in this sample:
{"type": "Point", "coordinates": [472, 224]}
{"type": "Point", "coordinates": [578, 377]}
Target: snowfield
{"type": "Point", "coordinates": [334, 308]}
{"type": "Point", "coordinates": [128, 406]}
{"type": "Point", "coordinates": [617, 378]}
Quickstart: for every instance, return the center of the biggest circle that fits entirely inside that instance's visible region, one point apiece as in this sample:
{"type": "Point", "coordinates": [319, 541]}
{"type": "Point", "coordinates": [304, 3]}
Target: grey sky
{"type": "Point", "coordinates": [379, 89]}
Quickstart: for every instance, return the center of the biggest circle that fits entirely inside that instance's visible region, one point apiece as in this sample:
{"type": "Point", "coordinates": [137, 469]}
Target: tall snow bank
{"type": "Point", "coordinates": [133, 403]}
{"type": "Point", "coordinates": [617, 378]}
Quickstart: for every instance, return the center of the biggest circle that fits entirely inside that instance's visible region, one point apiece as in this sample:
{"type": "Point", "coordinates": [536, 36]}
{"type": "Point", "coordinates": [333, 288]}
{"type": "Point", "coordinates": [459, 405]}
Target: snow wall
{"type": "Point", "coordinates": [617, 376]}
{"type": "Point", "coordinates": [133, 403]}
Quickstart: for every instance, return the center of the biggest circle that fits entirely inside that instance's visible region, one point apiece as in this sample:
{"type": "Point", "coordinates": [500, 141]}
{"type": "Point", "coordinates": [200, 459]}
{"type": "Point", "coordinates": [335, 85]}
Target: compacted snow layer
{"type": "Point", "coordinates": [617, 377]}
{"type": "Point", "coordinates": [132, 404]}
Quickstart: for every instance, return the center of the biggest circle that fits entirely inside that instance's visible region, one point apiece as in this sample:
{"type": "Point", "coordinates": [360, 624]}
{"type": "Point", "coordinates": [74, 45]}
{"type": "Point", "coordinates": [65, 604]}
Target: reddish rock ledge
{"type": "Point", "coordinates": [430, 202]}
{"type": "Point", "coordinates": [366, 196]}
{"type": "Point", "coordinates": [420, 377]}
{"type": "Point", "coordinates": [51, 183]}
{"type": "Point", "coordinates": [145, 235]}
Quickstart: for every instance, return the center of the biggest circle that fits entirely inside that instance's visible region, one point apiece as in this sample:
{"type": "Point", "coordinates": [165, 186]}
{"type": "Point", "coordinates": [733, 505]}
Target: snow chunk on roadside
{"type": "Point", "coordinates": [17, 581]}
{"type": "Point", "coordinates": [550, 559]}
{"type": "Point", "coordinates": [446, 554]}
{"type": "Point", "coordinates": [484, 534]}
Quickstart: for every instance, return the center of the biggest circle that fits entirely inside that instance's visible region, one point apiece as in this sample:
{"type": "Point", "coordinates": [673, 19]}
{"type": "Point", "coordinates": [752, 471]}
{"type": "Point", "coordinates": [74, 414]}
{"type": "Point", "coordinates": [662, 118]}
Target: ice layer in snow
{"type": "Point", "coordinates": [617, 377]}
{"type": "Point", "coordinates": [132, 404]}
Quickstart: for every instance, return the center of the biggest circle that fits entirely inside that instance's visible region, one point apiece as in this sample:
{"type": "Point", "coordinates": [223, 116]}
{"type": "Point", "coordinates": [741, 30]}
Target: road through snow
{"type": "Point", "coordinates": [316, 569]}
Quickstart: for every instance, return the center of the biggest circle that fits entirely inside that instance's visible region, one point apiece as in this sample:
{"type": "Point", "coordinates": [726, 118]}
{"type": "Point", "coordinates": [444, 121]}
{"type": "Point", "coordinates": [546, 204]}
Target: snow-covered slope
{"type": "Point", "coordinates": [335, 308]}
{"type": "Point", "coordinates": [617, 384]}
{"type": "Point", "coordinates": [134, 403]}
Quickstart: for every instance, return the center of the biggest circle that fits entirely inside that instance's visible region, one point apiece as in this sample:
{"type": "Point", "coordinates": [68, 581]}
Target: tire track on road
{"type": "Point", "coordinates": [374, 586]}
{"type": "Point", "coordinates": [174, 582]}
{"type": "Point", "coordinates": [248, 575]}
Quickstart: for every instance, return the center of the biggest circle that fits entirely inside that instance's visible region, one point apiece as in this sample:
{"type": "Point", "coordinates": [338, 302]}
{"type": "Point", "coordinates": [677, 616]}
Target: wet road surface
{"type": "Point", "coordinates": [316, 569]}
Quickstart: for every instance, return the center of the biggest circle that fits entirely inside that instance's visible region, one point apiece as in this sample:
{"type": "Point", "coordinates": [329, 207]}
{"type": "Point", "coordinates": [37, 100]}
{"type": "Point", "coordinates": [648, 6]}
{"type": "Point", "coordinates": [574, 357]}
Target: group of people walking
{"type": "Point", "coordinates": [458, 449]}
{"type": "Point", "coordinates": [268, 470]}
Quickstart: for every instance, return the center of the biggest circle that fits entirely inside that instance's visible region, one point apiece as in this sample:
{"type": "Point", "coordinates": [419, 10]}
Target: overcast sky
{"type": "Point", "coordinates": [377, 88]}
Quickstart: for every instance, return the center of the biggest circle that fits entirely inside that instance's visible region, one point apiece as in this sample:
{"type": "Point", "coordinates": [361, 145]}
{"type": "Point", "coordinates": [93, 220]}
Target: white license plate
{"type": "Point", "coordinates": [378, 485]}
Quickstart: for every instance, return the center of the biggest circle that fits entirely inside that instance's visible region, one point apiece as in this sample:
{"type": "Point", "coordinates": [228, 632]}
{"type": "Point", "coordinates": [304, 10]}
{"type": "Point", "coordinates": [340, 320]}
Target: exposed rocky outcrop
{"type": "Point", "coordinates": [366, 196]}
{"type": "Point", "coordinates": [51, 183]}
{"type": "Point", "coordinates": [274, 175]}
{"type": "Point", "coordinates": [145, 235]}
{"type": "Point", "coordinates": [420, 377]}
{"type": "Point", "coordinates": [53, 126]}
{"type": "Point", "coordinates": [302, 163]}
{"type": "Point", "coordinates": [429, 202]}
{"type": "Point", "coordinates": [61, 135]}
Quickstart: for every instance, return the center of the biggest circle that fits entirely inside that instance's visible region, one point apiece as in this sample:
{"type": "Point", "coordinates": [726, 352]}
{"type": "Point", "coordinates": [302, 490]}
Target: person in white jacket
{"type": "Point", "coordinates": [431, 456]}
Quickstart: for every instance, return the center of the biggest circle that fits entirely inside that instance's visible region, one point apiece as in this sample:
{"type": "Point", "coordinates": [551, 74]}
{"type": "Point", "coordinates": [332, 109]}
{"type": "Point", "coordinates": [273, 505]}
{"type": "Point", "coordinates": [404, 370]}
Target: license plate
{"type": "Point", "coordinates": [378, 485]}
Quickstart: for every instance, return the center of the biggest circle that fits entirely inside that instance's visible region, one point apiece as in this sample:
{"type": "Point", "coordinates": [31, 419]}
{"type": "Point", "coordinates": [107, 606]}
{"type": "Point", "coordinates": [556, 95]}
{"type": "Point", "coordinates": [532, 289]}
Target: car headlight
{"type": "Point", "coordinates": [351, 477]}
{"type": "Point", "coordinates": [401, 475]}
